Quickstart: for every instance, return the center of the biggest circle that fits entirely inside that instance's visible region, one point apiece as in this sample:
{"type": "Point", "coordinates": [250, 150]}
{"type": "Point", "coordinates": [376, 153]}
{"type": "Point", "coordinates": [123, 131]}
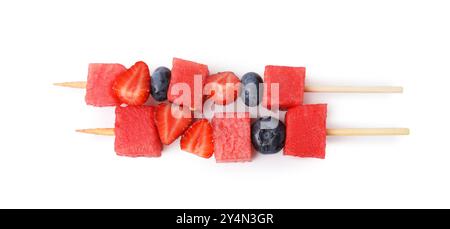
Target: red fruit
{"type": "Point", "coordinates": [186, 83]}
{"type": "Point", "coordinates": [133, 86]}
{"type": "Point", "coordinates": [222, 87]}
{"type": "Point", "coordinates": [172, 120]}
{"type": "Point", "coordinates": [135, 131]}
{"type": "Point", "coordinates": [306, 131]}
{"type": "Point", "coordinates": [232, 137]}
{"type": "Point", "coordinates": [291, 85]}
{"type": "Point", "coordinates": [101, 78]}
{"type": "Point", "coordinates": [198, 139]}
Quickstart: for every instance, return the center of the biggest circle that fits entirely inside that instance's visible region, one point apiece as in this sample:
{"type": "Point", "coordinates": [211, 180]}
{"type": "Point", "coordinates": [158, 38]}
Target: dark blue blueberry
{"type": "Point", "coordinates": [268, 135]}
{"type": "Point", "coordinates": [160, 83]}
{"type": "Point", "coordinates": [251, 91]}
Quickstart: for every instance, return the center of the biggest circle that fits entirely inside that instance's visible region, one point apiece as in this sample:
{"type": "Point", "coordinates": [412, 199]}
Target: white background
{"type": "Point", "coordinates": [44, 163]}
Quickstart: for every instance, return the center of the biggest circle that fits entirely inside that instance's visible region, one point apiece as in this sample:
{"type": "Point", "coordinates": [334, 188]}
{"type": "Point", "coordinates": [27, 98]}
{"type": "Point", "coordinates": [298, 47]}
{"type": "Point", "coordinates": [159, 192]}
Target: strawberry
{"type": "Point", "coordinates": [222, 87]}
{"type": "Point", "coordinates": [171, 120]}
{"type": "Point", "coordinates": [133, 86]}
{"type": "Point", "coordinates": [198, 139]}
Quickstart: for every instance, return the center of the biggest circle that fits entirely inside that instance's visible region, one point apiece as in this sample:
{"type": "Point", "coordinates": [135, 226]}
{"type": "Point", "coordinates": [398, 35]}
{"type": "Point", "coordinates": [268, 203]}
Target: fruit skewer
{"type": "Point", "coordinates": [141, 131]}
{"type": "Point", "coordinates": [312, 89]}
{"type": "Point", "coordinates": [113, 84]}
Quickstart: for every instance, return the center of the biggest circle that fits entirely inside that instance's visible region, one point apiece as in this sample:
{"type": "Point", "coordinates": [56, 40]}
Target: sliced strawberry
{"type": "Point", "coordinates": [133, 86]}
{"type": "Point", "coordinates": [222, 87]}
{"type": "Point", "coordinates": [198, 139]}
{"type": "Point", "coordinates": [172, 120]}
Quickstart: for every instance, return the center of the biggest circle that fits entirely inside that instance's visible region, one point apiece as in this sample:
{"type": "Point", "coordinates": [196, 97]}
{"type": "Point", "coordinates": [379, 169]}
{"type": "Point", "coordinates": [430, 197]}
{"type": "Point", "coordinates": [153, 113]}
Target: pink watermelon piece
{"type": "Point", "coordinates": [183, 74]}
{"type": "Point", "coordinates": [231, 134]}
{"type": "Point", "coordinates": [99, 85]}
{"type": "Point", "coordinates": [306, 131]}
{"type": "Point", "coordinates": [291, 83]}
{"type": "Point", "coordinates": [136, 133]}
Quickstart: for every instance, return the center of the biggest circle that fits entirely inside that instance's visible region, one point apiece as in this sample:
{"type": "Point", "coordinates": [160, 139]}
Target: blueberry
{"type": "Point", "coordinates": [251, 90]}
{"type": "Point", "coordinates": [160, 83]}
{"type": "Point", "coordinates": [268, 135]}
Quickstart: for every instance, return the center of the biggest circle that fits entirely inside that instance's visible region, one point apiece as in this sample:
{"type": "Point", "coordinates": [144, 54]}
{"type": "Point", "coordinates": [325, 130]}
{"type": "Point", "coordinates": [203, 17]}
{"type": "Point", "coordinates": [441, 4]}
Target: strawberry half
{"type": "Point", "coordinates": [133, 86]}
{"type": "Point", "coordinates": [171, 120]}
{"type": "Point", "coordinates": [198, 139]}
{"type": "Point", "coordinates": [222, 87]}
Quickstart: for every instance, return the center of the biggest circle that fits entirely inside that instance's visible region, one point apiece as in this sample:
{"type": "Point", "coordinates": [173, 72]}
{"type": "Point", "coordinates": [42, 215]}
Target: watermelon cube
{"type": "Point", "coordinates": [99, 85]}
{"type": "Point", "coordinates": [136, 133]}
{"type": "Point", "coordinates": [231, 134]}
{"type": "Point", "coordinates": [306, 131]}
{"type": "Point", "coordinates": [290, 82]}
{"type": "Point", "coordinates": [182, 89]}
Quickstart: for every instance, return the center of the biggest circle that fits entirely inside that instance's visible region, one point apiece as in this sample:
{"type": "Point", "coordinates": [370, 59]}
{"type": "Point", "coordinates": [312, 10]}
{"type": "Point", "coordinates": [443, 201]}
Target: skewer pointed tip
{"type": "Point", "coordinates": [75, 84]}
{"type": "Point", "coordinates": [97, 131]}
{"type": "Point", "coordinates": [81, 130]}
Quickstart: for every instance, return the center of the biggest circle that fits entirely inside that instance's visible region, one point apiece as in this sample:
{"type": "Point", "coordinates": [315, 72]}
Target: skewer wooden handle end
{"type": "Point", "coordinates": [354, 89]}
{"type": "Point", "coordinates": [367, 131]}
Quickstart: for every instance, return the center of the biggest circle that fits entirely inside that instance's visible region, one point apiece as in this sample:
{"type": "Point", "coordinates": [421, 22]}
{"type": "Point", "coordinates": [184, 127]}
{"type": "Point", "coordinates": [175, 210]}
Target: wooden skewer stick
{"type": "Point", "coordinates": [330, 132]}
{"type": "Point", "coordinates": [322, 89]}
